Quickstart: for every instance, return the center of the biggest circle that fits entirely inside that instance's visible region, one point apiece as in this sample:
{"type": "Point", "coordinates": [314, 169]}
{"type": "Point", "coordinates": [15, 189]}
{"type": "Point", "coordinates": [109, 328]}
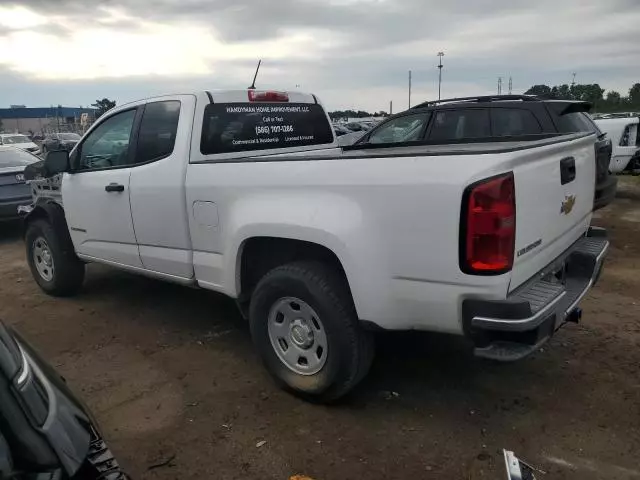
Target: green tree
{"type": "Point", "coordinates": [588, 93]}
{"type": "Point", "coordinates": [613, 98]}
{"type": "Point", "coordinates": [540, 90]}
{"type": "Point", "coordinates": [103, 106]}
{"type": "Point", "coordinates": [634, 95]}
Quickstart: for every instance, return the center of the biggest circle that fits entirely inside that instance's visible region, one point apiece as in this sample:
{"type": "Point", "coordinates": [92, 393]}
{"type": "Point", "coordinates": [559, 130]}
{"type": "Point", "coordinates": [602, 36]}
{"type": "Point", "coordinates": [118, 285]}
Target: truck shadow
{"type": "Point", "coordinates": [10, 232]}
{"type": "Point", "coordinates": [415, 367]}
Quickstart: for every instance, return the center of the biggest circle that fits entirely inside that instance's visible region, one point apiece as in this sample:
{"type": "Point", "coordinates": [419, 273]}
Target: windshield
{"type": "Point", "coordinates": [69, 136]}
{"type": "Point", "coordinates": [15, 157]}
{"type": "Point", "coordinates": [15, 139]}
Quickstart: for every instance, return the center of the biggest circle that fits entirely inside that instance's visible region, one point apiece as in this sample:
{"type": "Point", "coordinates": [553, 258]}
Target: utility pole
{"type": "Point", "coordinates": [499, 85]}
{"type": "Point", "coordinates": [440, 55]}
{"type": "Point", "coordinates": [510, 85]}
{"type": "Point", "coordinates": [573, 82]}
{"type": "Point", "coordinates": [390, 107]}
{"type": "Point", "coordinates": [409, 88]}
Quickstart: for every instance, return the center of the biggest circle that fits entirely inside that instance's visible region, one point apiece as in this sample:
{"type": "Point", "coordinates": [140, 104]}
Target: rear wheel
{"type": "Point", "coordinates": [305, 327]}
{"type": "Point", "coordinates": [56, 270]}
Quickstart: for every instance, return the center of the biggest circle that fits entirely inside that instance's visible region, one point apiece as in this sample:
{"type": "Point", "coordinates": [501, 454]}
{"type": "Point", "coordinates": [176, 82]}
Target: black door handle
{"type": "Point", "coordinates": [114, 187]}
{"type": "Point", "coordinates": [567, 170]}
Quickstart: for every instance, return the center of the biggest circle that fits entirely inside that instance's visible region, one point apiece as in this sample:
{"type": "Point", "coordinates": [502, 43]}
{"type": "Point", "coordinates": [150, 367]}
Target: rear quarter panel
{"type": "Point", "coordinates": [392, 222]}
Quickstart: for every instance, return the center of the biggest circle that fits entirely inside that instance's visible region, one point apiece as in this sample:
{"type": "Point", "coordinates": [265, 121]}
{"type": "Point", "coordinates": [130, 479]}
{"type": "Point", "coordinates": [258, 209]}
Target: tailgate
{"type": "Point", "coordinates": [554, 201]}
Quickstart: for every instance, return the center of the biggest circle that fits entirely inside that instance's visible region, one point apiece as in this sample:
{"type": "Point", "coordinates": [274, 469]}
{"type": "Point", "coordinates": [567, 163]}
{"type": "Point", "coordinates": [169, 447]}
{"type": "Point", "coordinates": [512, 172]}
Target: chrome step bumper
{"type": "Point", "coordinates": [511, 329]}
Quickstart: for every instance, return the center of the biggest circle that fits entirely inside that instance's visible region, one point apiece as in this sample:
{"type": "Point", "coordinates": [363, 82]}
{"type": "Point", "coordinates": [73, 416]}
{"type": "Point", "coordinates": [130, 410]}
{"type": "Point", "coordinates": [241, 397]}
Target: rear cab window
{"type": "Point", "coordinates": [254, 126]}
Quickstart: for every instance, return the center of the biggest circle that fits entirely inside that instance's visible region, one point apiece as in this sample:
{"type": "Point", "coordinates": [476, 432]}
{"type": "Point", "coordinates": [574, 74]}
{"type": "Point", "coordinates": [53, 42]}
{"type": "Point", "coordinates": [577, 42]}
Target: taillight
{"type": "Point", "coordinates": [261, 96]}
{"type": "Point", "coordinates": [488, 226]}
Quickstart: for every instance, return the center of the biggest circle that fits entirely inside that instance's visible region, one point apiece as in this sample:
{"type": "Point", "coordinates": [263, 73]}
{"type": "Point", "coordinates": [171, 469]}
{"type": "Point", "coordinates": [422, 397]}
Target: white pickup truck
{"type": "Point", "coordinates": [625, 140]}
{"type": "Point", "coordinates": [246, 193]}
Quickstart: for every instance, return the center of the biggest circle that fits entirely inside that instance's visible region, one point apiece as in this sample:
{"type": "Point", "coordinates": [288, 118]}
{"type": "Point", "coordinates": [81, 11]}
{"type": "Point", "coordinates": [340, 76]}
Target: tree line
{"type": "Point", "coordinates": [611, 102]}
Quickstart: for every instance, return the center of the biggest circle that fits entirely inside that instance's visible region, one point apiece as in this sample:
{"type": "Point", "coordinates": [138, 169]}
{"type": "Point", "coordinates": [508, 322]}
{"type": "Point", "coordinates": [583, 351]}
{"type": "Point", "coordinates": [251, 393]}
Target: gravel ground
{"type": "Point", "coordinates": [171, 376]}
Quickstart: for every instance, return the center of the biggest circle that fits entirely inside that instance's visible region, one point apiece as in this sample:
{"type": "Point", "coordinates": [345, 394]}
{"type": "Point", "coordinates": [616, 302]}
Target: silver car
{"type": "Point", "coordinates": [13, 189]}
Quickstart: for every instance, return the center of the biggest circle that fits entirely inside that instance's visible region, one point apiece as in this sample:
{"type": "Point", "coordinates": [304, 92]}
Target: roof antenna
{"type": "Point", "coordinates": [253, 85]}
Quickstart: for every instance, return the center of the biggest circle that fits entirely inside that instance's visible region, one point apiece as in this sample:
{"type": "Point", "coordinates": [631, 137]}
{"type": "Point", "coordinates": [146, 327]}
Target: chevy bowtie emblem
{"type": "Point", "coordinates": [567, 204]}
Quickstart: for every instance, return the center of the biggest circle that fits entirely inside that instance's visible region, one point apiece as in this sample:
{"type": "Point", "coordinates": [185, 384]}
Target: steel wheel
{"type": "Point", "coordinates": [43, 259]}
{"type": "Point", "coordinates": [297, 336]}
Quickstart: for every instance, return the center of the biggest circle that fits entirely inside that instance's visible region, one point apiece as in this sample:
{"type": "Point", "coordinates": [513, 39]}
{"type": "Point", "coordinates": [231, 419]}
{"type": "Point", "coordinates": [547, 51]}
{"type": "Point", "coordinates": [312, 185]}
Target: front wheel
{"type": "Point", "coordinates": [305, 327]}
{"type": "Point", "coordinates": [57, 270]}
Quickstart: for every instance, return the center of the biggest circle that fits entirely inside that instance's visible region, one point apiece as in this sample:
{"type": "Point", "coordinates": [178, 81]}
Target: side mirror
{"type": "Point", "coordinates": [56, 162]}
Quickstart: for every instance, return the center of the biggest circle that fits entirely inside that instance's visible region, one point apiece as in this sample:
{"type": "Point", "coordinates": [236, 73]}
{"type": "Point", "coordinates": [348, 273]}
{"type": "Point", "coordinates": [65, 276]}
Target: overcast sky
{"type": "Point", "coordinates": [351, 53]}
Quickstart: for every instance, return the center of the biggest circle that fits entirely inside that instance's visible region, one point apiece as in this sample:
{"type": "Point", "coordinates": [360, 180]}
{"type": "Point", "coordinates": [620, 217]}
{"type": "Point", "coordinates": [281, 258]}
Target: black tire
{"type": "Point", "coordinates": [350, 349]}
{"type": "Point", "coordinates": [67, 274]}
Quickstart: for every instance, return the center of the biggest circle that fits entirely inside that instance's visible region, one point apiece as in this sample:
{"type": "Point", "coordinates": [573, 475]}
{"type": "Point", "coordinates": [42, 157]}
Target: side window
{"type": "Point", "coordinates": [506, 122]}
{"type": "Point", "coordinates": [461, 124]}
{"type": "Point", "coordinates": [574, 122]}
{"type": "Point", "coordinates": [158, 130]}
{"type": "Point", "coordinates": [402, 129]}
{"type": "Point", "coordinates": [108, 145]}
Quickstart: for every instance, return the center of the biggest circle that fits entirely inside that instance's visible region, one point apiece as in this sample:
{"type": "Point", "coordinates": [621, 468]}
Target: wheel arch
{"type": "Point", "coordinates": [257, 255]}
{"type": "Point", "coordinates": [53, 213]}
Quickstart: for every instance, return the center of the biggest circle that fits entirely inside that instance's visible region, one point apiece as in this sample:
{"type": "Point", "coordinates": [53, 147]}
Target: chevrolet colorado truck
{"type": "Point", "coordinates": [247, 193]}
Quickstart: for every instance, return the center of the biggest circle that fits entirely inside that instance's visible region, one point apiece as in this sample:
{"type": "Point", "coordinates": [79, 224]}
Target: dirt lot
{"type": "Point", "coordinates": [170, 373]}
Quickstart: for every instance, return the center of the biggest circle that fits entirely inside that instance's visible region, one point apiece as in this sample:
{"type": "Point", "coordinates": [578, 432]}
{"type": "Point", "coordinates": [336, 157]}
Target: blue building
{"type": "Point", "coordinates": [45, 119]}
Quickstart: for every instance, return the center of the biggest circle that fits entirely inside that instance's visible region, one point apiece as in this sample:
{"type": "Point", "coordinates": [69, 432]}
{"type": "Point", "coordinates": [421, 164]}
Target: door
{"type": "Point", "coordinates": [96, 193]}
{"type": "Point", "coordinates": [157, 186]}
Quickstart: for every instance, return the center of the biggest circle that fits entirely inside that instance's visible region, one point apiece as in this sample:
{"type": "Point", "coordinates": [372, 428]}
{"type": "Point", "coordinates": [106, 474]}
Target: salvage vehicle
{"type": "Point", "coordinates": [247, 193]}
{"type": "Point", "coordinates": [60, 141]}
{"type": "Point", "coordinates": [475, 119]}
{"type": "Point", "coordinates": [623, 133]}
{"type": "Point", "coordinates": [13, 189]}
{"type": "Point", "coordinates": [45, 430]}
{"type": "Point", "coordinates": [19, 141]}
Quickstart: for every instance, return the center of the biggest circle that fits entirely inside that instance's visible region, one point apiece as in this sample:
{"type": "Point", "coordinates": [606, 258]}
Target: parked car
{"type": "Point", "coordinates": [13, 189]}
{"type": "Point", "coordinates": [340, 129]}
{"type": "Point", "coordinates": [45, 431]}
{"type": "Point", "coordinates": [60, 141]}
{"type": "Point", "coordinates": [246, 193]}
{"type": "Point", "coordinates": [359, 126]}
{"type": "Point", "coordinates": [625, 138]}
{"type": "Point", "coordinates": [503, 118]}
{"type": "Point", "coordinates": [19, 141]}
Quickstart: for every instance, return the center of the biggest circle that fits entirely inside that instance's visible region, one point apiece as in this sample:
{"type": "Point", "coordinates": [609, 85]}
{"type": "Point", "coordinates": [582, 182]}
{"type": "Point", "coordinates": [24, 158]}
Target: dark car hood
{"type": "Point", "coordinates": [12, 164]}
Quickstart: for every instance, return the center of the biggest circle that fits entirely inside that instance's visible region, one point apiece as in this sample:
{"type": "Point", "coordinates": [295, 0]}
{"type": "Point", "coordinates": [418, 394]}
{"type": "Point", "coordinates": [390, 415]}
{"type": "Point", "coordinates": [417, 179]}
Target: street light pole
{"type": "Point", "coordinates": [440, 55]}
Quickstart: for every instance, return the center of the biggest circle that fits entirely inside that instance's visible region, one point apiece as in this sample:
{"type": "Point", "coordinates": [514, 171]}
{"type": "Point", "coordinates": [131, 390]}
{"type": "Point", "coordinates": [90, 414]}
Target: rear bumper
{"type": "Point", "coordinates": [9, 208]}
{"type": "Point", "coordinates": [605, 192]}
{"type": "Point", "coordinates": [511, 329]}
